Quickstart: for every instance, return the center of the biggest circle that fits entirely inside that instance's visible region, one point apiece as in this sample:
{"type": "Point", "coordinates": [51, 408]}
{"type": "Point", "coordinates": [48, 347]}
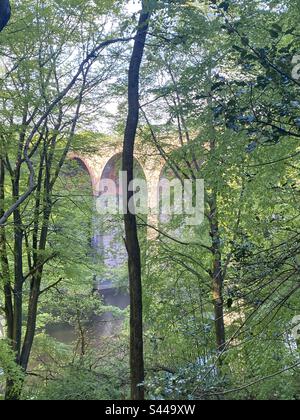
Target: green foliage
{"type": "Point", "coordinates": [61, 373]}
{"type": "Point", "coordinates": [218, 103]}
{"type": "Point", "coordinates": [231, 100]}
{"type": "Point", "coordinates": [9, 370]}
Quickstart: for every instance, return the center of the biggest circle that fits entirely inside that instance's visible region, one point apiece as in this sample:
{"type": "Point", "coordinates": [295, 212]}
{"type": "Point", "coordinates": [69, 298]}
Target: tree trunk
{"type": "Point", "coordinates": [31, 321]}
{"type": "Point", "coordinates": [4, 259]}
{"type": "Point", "coordinates": [18, 273]}
{"type": "Point", "coordinates": [217, 275]}
{"type": "Point", "coordinates": [35, 287]}
{"type": "Point", "coordinates": [131, 232]}
{"type": "Point", "coordinates": [4, 13]}
{"type": "Point", "coordinates": [13, 390]}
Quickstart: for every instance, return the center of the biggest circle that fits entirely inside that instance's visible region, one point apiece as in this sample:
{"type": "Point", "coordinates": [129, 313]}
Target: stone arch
{"type": "Point", "coordinates": [71, 171]}
{"type": "Point", "coordinates": [108, 228]}
{"type": "Point", "coordinates": [149, 159]}
{"type": "Point", "coordinates": [82, 164]}
{"type": "Point", "coordinates": [87, 165]}
{"type": "Point", "coordinates": [76, 181]}
{"type": "Point", "coordinates": [111, 171]}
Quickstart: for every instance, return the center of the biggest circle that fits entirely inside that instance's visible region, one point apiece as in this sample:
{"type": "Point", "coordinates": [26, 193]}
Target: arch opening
{"type": "Point", "coordinates": [108, 236]}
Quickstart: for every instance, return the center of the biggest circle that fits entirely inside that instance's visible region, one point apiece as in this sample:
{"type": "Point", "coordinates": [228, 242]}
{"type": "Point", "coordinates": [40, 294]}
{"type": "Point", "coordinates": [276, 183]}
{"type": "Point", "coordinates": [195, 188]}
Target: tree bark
{"type": "Point", "coordinates": [131, 231]}
{"type": "Point", "coordinates": [5, 274]}
{"type": "Point", "coordinates": [18, 272]}
{"type": "Point", "coordinates": [4, 13]}
{"type": "Point", "coordinates": [217, 275]}
{"type": "Point", "coordinates": [217, 272]}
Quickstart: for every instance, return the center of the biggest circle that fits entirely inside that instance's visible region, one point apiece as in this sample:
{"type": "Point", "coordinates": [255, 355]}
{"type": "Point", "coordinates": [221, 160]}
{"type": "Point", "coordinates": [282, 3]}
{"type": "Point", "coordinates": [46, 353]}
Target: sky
{"type": "Point", "coordinates": [133, 6]}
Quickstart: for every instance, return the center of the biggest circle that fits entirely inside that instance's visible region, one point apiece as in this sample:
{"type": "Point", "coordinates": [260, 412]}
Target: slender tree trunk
{"type": "Point", "coordinates": [34, 295]}
{"type": "Point", "coordinates": [131, 232]}
{"type": "Point", "coordinates": [4, 259]}
{"type": "Point", "coordinates": [31, 321]}
{"type": "Point", "coordinates": [217, 274]}
{"type": "Point", "coordinates": [35, 287]}
{"type": "Point", "coordinates": [18, 272]}
{"type": "Point", "coordinates": [13, 389]}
